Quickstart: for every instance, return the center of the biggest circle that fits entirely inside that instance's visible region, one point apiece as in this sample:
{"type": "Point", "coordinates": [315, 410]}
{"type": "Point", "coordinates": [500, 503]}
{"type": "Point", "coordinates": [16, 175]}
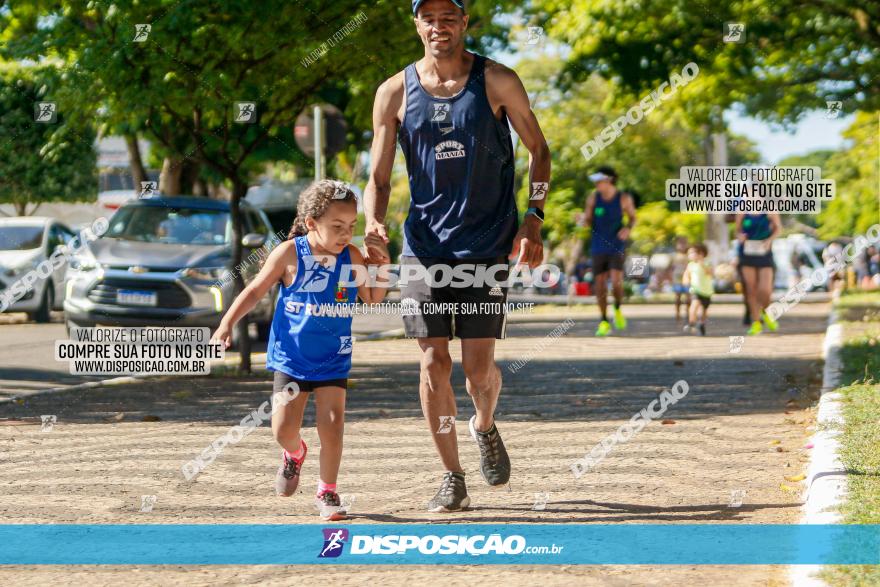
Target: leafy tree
{"type": "Point", "coordinates": [856, 206]}
{"type": "Point", "coordinates": [182, 82]}
{"type": "Point", "coordinates": [796, 54]}
{"type": "Point", "coordinates": [41, 162]}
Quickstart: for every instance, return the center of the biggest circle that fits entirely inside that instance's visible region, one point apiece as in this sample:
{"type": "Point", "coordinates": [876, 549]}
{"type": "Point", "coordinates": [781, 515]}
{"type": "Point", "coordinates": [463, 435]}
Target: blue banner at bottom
{"type": "Point", "coordinates": [395, 544]}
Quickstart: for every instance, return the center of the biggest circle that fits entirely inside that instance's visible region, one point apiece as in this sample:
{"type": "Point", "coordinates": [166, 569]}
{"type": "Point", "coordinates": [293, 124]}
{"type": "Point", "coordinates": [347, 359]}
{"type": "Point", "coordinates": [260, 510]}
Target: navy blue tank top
{"type": "Point", "coordinates": [607, 222]}
{"type": "Point", "coordinates": [311, 330]}
{"type": "Point", "coordinates": [459, 159]}
{"type": "Point", "coordinates": [756, 226]}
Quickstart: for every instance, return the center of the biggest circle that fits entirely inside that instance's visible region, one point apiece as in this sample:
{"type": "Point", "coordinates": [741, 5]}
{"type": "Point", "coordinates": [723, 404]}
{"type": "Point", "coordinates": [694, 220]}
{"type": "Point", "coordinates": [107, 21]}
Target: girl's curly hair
{"type": "Point", "coordinates": [314, 201]}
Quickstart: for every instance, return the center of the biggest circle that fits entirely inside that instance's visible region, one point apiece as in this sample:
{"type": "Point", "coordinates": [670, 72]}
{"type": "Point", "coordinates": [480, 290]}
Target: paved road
{"type": "Point", "coordinates": [741, 428]}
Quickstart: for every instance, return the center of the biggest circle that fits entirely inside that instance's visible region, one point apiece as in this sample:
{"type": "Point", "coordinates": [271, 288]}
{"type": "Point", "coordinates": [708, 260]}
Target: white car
{"type": "Point", "coordinates": [25, 243]}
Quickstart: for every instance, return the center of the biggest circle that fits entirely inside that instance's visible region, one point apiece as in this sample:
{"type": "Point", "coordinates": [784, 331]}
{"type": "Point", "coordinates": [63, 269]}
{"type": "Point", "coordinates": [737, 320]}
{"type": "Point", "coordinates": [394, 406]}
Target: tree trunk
{"type": "Point", "coordinates": [239, 190]}
{"type": "Point", "coordinates": [200, 188]}
{"type": "Point", "coordinates": [135, 162]}
{"type": "Point", "coordinates": [169, 179]}
{"type": "Point", "coordinates": [189, 176]}
{"type": "Point", "coordinates": [717, 239]}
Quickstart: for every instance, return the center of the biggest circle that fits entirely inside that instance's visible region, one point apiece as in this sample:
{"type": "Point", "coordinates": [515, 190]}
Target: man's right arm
{"type": "Point", "coordinates": [388, 101]}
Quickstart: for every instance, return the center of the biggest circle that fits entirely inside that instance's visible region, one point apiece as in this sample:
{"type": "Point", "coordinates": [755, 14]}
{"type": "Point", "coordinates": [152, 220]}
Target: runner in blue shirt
{"type": "Point", "coordinates": [310, 344]}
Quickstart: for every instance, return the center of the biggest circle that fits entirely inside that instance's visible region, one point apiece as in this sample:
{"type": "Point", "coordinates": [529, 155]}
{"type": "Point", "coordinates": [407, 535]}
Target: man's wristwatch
{"type": "Point", "coordinates": [537, 212]}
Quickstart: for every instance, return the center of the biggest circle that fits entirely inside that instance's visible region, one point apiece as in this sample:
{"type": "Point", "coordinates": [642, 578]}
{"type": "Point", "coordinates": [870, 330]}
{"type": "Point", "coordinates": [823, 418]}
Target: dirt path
{"type": "Point", "coordinates": [741, 427]}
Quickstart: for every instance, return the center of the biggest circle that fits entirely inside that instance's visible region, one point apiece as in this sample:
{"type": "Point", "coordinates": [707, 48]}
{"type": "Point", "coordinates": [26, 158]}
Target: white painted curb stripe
{"type": "Point", "coordinates": [826, 476]}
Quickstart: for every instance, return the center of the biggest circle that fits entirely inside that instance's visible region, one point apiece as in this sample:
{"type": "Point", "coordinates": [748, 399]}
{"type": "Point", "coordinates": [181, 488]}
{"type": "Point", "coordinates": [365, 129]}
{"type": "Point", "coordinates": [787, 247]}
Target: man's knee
{"type": "Point", "coordinates": [480, 376]}
{"type": "Point", "coordinates": [436, 366]}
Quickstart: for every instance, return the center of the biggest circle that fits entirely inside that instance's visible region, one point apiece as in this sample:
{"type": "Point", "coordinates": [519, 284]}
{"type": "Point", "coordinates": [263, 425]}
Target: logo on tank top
{"type": "Point", "coordinates": [341, 292]}
{"type": "Point", "coordinates": [345, 345]}
{"type": "Point", "coordinates": [449, 150]}
{"type": "Point", "coordinates": [441, 112]}
{"type": "Point", "coordinates": [316, 276]}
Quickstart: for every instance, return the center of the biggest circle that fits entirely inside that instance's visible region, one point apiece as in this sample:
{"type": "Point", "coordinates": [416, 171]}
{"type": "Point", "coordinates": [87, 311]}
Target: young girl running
{"type": "Point", "coordinates": [310, 342]}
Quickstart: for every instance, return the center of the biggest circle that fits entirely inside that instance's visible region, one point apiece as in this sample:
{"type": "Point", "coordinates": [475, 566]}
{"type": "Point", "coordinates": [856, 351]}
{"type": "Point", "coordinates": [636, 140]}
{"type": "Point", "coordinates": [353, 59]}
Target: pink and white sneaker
{"type": "Point", "coordinates": [287, 477]}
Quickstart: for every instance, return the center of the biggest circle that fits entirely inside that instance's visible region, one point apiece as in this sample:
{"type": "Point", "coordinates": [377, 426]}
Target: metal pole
{"type": "Point", "coordinates": [318, 116]}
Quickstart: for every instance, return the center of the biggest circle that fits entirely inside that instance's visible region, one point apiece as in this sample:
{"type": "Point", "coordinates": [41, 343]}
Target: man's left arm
{"type": "Point", "coordinates": [506, 91]}
{"type": "Point", "coordinates": [629, 208]}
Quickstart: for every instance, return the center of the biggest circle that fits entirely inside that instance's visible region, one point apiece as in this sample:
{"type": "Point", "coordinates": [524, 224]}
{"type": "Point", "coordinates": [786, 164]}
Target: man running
{"type": "Point", "coordinates": [450, 111]}
{"type": "Point", "coordinates": [604, 214]}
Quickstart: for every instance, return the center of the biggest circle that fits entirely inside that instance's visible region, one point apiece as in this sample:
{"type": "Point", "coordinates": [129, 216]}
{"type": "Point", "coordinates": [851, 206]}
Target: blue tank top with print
{"type": "Point", "coordinates": [311, 330]}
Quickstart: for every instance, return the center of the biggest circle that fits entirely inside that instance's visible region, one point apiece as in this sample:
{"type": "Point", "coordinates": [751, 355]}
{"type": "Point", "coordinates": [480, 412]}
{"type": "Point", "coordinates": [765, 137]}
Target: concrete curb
{"type": "Point", "coordinates": [826, 477]}
{"type": "Point", "coordinates": [78, 386]}
{"type": "Point", "coordinates": [384, 335]}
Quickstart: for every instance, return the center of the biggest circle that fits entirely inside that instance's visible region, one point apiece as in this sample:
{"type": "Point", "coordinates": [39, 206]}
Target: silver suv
{"type": "Point", "coordinates": [26, 243]}
{"type": "Point", "coordinates": [165, 261]}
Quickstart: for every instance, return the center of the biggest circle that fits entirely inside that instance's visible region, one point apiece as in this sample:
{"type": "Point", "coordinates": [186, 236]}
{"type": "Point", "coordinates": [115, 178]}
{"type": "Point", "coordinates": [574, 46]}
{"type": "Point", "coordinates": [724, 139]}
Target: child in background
{"type": "Point", "coordinates": [698, 278]}
{"type": "Point", "coordinates": [679, 265]}
{"type": "Point", "coordinates": [309, 346]}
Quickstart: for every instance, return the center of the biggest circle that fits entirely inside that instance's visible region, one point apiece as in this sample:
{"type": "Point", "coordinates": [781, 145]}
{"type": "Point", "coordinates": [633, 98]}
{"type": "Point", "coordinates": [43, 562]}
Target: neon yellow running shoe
{"type": "Point", "coordinates": [619, 320]}
{"type": "Point", "coordinates": [756, 328]}
{"type": "Point", "coordinates": [604, 328]}
{"type": "Point", "coordinates": [771, 324]}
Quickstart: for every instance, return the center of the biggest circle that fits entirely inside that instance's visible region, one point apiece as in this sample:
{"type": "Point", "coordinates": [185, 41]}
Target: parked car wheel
{"type": "Point", "coordinates": [43, 313]}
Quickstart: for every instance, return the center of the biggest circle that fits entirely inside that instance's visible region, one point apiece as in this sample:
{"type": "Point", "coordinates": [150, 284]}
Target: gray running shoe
{"type": "Point", "coordinates": [452, 496]}
{"type": "Point", "coordinates": [494, 462]}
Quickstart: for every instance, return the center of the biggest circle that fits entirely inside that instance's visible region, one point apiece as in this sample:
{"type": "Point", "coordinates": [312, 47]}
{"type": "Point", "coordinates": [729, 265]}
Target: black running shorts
{"type": "Point", "coordinates": [282, 379]}
{"type": "Point", "coordinates": [447, 310]}
{"type": "Point", "coordinates": [604, 262]}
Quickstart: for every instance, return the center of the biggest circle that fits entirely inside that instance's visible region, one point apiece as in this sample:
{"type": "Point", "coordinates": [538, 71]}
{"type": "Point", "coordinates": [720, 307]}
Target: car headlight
{"type": "Point", "coordinates": [82, 261]}
{"type": "Point", "coordinates": [204, 273]}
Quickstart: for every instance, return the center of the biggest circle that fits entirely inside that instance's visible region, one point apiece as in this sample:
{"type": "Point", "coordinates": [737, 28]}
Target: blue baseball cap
{"type": "Point", "coordinates": [417, 3]}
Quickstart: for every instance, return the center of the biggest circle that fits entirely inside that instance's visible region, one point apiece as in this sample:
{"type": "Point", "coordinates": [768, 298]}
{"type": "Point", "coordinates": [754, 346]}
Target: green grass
{"type": "Point", "coordinates": [857, 298]}
{"type": "Point", "coordinates": [860, 446]}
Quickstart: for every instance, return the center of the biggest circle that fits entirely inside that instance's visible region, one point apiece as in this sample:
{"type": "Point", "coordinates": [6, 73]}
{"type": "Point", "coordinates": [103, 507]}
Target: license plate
{"type": "Point", "coordinates": [132, 297]}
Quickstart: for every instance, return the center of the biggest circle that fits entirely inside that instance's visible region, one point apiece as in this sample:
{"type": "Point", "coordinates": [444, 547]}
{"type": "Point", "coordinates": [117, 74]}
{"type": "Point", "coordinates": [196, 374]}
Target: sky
{"type": "Point", "coordinates": [812, 133]}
